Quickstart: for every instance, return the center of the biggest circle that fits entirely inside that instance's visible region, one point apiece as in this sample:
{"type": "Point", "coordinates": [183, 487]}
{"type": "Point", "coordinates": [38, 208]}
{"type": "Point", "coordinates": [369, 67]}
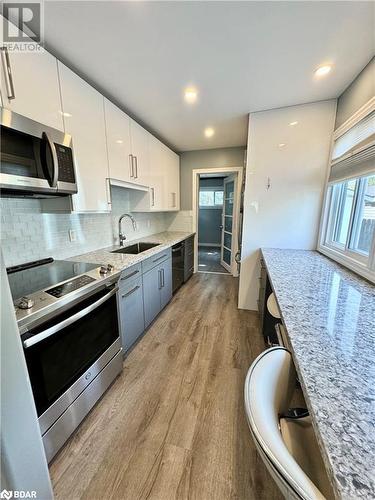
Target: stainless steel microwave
{"type": "Point", "coordinates": [36, 160]}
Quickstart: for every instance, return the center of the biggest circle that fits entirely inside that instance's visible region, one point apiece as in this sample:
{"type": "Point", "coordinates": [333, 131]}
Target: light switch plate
{"type": "Point", "coordinates": [72, 235]}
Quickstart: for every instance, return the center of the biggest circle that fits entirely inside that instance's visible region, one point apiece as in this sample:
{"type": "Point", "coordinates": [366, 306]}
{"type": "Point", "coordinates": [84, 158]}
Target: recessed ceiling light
{"type": "Point", "coordinates": [67, 115]}
{"type": "Point", "coordinates": [282, 145]}
{"type": "Point", "coordinates": [209, 132]}
{"type": "Point", "coordinates": [292, 124]}
{"type": "Point", "coordinates": [191, 95]}
{"type": "Point", "coordinates": [323, 70]}
{"type": "Point", "coordinates": [119, 141]}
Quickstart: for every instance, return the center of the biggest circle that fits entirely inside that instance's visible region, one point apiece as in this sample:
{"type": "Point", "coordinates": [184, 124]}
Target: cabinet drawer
{"type": "Point", "coordinates": [129, 275]}
{"type": "Point", "coordinates": [156, 259]}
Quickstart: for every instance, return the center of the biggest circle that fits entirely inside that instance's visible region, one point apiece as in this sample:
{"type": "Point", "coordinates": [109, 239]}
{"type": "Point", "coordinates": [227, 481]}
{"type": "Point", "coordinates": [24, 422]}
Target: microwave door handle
{"type": "Point", "coordinates": [69, 321]}
{"type": "Point", "coordinates": [52, 147]}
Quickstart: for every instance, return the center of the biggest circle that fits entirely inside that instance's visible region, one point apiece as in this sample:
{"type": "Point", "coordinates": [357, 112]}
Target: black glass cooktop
{"type": "Point", "coordinates": [35, 276]}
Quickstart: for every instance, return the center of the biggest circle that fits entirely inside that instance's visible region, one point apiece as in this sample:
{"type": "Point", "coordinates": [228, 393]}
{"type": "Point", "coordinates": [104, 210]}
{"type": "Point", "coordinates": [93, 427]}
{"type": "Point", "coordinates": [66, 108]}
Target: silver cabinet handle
{"type": "Point", "coordinates": [161, 257]}
{"type": "Point", "coordinates": [152, 197]}
{"type": "Point", "coordinates": [52, 147]}
{"type": "Point", "coordinates": [159, 277]}
{"type": "Point", "coordinates": [136, 167]}
{"type": "Point", "coordinates": [8, 73]}
{"type": "Point", "coordinates": [129, 275]}
{"type": "Point", "coordinates": [131, 167]}
{"type": "Point", "coordinates": [130, 292]}
{"type": "Point", "coordinates": [162, 278]}
{"type": "Point", "coordinates": [56, 328]}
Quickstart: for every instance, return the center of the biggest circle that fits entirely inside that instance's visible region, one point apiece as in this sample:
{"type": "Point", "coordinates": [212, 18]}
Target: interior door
{"type": "Point", "coordinates": [227, 240]}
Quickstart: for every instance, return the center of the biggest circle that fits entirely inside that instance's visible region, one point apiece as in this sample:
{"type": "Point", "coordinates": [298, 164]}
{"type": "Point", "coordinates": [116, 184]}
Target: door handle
{"type": "Point", "coordinates": [130, 292]}
{"type": "Point", "coordinates": [131, 167]}
{"type": "Point", "coordinates": [162, 278]}
{"type": "Point", "coordinates": [8, 73]}
{"type": "Point", "coordinates": [69, 321]}
{"type": "Point", "coordinates": [51, 145]}
{"type": "Point", "coordinates": [153, 197]}
{"type": "Point", "coordinates": [159, 277]}
{"type": "Point", "coordinates": [136, 167]}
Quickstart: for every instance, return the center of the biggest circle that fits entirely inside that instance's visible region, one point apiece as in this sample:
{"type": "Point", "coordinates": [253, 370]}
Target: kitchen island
{"type": "Point", "coordinates": [329, 316]}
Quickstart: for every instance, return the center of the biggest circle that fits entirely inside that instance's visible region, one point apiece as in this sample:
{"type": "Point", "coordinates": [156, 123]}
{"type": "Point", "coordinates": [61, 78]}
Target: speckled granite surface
{"type": "Point", "coordinates": [329, 314]}
{"type": "Point", "coordinates": [122, 261]}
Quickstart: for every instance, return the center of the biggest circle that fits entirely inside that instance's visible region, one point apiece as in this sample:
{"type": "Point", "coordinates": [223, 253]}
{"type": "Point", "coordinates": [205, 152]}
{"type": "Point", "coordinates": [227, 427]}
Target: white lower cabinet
{"type": "Point", "coordinates": [30, 84]}
{"type": "Point", "coordinates": [83, 109]}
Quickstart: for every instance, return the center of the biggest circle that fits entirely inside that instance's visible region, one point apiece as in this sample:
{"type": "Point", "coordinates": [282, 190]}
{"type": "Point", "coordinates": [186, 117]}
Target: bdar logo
{"type": "Point", "coordinates": [6, 494]}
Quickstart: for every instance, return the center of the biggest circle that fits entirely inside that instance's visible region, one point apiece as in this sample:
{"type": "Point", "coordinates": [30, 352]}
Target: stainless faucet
{"type": "Point", "coordinates": [121, 236]}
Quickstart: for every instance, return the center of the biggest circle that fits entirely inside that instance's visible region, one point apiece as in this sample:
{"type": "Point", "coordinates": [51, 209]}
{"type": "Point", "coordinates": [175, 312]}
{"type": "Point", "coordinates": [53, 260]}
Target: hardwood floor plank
{"type": "Point", "coordinates": [173, 425]}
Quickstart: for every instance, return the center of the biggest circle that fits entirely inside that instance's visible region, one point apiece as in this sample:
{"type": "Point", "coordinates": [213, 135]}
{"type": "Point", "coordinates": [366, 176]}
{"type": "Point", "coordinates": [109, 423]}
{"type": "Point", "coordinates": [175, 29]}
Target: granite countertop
{"type": "Point", "coordinates": [121, 261]}
{"type": "Point", "coordinates": [329, 315]}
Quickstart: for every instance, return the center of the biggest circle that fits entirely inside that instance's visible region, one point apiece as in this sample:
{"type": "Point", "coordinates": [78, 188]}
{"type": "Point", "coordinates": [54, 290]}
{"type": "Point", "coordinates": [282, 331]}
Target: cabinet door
{"type": "Point", "coordinates": [130, 305]}
{"type": "Point", "coordinates": [151, 294]}
{"type": "Point", "coordinates": [171, 168]}
{"type": "Point", "coordinates": [83, 110]}
{"type": "Point", "coordinates": [157, 177]}
{"type": "Point", "coordinates": [140, 151]}
{"type": "Point", "coordinates": [36, 85]}
{"type": "Point", "coordinates": [166, 282]}
{"type": "Point", "coordinates": [118, 142]}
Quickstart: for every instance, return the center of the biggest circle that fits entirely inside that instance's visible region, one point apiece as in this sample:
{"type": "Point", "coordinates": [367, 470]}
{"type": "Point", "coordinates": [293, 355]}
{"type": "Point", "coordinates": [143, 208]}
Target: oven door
{"type": "Point", "coordinates": [61, 350]}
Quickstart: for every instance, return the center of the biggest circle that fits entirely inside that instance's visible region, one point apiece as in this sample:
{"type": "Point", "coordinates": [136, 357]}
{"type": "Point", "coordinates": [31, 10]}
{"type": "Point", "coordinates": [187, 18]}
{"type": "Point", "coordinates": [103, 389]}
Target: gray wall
{"type": "Point", "coordinates": [210, 218]}
{"type": "Point", "coordinates": [206, 158]}
{"type": "Point", "coordinates": [357, 94]}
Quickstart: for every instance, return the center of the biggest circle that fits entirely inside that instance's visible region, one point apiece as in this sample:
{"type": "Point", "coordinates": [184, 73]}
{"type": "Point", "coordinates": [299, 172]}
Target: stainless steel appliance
{"type": "Point", "coordinates": [67, 315]}
{"type": "Point", "coordinates": [189, 258]}
{"type": "Point", "coordinates": [178, 268]}
{"type": "Point", "coordinates": [36, 160]}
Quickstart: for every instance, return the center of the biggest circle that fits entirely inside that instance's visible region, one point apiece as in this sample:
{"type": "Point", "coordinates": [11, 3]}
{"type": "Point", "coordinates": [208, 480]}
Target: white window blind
{"type": "Point", "coordinates": [354, 151]}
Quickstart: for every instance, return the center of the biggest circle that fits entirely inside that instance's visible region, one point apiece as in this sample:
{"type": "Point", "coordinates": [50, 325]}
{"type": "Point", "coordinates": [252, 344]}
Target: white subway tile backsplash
{"type": "Point", "coordinates": [28, 234]}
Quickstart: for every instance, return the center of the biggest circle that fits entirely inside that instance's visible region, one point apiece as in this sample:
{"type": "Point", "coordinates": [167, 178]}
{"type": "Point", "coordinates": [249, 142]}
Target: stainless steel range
{"type": "Point", "coordinates": [67, 316]}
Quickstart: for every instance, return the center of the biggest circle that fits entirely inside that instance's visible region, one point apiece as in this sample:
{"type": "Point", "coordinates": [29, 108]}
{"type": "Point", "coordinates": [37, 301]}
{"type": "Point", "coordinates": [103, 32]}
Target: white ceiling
{"type": "Point", "coordinates": [242, 57]}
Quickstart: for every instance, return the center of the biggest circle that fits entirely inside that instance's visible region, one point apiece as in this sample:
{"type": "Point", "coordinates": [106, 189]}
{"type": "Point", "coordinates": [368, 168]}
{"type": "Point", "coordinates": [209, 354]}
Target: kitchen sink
{"type": "Point", "coordinates": [136, 248]}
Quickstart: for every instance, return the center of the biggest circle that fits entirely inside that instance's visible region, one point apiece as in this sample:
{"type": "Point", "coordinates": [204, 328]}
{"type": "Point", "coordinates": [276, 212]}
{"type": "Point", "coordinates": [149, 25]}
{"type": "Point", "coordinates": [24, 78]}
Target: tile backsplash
{"type": "Point", "coordinates": [29, 234]}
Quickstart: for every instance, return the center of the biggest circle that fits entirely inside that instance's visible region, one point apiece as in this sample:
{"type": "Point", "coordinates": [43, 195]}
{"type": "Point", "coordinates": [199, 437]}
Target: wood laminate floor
{"type": "Point", "coordinates": [172, 426]}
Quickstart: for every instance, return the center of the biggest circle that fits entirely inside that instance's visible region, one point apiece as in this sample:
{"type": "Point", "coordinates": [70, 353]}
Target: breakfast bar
{"type": "Point", "coordinates": [329, 316]}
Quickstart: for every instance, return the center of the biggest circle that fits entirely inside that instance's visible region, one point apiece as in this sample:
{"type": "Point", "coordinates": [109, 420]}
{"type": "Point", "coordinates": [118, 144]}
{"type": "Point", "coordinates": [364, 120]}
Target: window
{"type": "Point", "coordinates": [348, 227]}
{"type": "Point", "coordinates": [211, 198]}
{"type": "Point", "coordinates": [351, 219]}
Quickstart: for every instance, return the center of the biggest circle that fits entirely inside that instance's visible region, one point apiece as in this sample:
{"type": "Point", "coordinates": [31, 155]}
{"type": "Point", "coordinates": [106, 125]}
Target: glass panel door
{"type": "Point", "coordinates": [227, 234]}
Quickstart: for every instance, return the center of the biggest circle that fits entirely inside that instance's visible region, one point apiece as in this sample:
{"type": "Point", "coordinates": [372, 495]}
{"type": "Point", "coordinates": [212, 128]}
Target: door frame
{"type": "Point", "coordinates": [236, 209]}
{"type": "Point", "coordinates": [234, 178]}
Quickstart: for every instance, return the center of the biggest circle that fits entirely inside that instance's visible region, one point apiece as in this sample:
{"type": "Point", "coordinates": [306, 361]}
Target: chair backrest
{"type": "Point", "coordinates": [269, 386]}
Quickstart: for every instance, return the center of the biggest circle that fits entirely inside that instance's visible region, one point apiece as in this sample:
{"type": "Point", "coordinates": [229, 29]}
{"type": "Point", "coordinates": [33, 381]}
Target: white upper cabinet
{"type": "Point", "coordinates": [120, 161]}
{"type": "Point", "coordinates": [30, 85]}
{"type": "Point", "coordinates": [83, 109]}
{"type": "Point", "coordinates": [172, 179]}
{"type": "Point", "coordinates": [140, 140]}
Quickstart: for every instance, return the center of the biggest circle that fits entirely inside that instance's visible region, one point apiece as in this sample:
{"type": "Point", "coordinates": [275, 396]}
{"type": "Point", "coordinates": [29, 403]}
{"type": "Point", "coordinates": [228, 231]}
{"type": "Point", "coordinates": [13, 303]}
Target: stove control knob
{"type": "Point", "coordinates": [103, 270]}
{"type": "Point", "coordinates": [110, 267]}
{"type": "Point", "coordinates": [26, 303]}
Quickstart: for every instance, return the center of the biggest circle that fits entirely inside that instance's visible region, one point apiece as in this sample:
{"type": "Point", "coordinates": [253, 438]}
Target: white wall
{"type": "Point", "coordinates": [287, 214]}
{"type": "Point", "coordinates": [23, 462]}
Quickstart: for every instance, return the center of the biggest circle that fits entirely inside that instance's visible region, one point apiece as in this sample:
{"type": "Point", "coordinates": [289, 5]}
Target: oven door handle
{"type": "Point", "coordinates": [56, 328]}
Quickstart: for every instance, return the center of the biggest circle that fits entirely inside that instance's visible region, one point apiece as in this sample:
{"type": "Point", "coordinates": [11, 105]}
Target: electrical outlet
{"type": "Point", "coordinates": [72, 235]}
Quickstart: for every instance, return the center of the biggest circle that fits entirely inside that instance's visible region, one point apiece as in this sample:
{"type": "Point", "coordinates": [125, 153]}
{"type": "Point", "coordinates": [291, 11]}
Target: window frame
{"type": "Point", "coordinates": [355, 260]}
{"type": "Point", "coordinates": [215, 190]}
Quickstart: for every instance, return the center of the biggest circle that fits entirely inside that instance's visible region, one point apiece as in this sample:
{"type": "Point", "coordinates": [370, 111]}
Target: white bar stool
{"type": "Point", "coordinates": [272, 306]}
{"type": "Point", "coordinates": [287, 445]}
